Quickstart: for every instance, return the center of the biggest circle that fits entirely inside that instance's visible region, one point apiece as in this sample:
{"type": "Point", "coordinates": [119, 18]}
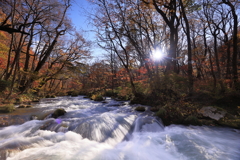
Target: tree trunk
{"type": "Point", "coordinates": [219, 74]}
{"type": "Point", "coordinates": [235, 45]}
{"type": "Point", "coordinates": [212, 71]}
{"type": "Point", "coordinates": [190, 69]}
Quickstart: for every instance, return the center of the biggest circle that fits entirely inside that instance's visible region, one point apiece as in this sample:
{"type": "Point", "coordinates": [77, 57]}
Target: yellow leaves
{"type": "Point", "coordinates": [3, 47]}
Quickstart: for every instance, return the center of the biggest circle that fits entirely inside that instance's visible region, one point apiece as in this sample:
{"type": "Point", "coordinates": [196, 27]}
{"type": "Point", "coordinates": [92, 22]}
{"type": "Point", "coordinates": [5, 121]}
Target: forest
{"type": "Point", "coordinates": [174, 55]}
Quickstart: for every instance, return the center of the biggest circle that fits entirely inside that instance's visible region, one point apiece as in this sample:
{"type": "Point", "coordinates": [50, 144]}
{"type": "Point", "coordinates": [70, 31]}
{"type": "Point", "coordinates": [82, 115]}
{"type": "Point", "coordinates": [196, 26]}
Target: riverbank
{"type": "Point", "coordinates": [197, 109]}
{"type": "Point", "coordinates": [111, 129]}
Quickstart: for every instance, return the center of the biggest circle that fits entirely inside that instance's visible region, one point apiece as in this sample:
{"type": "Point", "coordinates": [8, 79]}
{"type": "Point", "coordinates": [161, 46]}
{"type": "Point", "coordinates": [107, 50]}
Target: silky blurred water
{"type": "Point", "coordinates": [113, 131]}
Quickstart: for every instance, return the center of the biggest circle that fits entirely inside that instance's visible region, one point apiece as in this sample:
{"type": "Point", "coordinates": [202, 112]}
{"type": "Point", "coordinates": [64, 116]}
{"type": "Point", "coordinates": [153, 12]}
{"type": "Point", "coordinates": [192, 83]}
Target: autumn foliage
{"type": "Point", "coordinates": [196, 39]}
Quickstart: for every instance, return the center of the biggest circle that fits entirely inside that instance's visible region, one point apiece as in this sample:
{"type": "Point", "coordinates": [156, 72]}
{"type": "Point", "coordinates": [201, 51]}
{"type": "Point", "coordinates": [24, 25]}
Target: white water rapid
{"type": "Point", "coordinates": [112, 131]}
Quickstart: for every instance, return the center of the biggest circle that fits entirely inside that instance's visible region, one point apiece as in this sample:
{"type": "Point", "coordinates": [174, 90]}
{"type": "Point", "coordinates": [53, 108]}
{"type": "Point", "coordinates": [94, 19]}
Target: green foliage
{"type": "Point", "coordinates": [176, 113]}
{"type": "Point", "coordinates": [110, 93]}
{"type": "Point", "coordinates": [143, 88]}
{"type": "Point", "coordinates": [175, 82]}
{"type": "Point", "coordinates": [164, 89]}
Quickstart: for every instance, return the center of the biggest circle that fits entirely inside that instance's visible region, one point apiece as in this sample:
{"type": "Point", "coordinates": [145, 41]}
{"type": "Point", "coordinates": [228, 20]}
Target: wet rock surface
{"type": "Point", "coordinates": [58, 112]}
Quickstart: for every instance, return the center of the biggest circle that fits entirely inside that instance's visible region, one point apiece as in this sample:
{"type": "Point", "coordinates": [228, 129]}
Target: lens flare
{"type": "Point", "coordinates": [157, 54]}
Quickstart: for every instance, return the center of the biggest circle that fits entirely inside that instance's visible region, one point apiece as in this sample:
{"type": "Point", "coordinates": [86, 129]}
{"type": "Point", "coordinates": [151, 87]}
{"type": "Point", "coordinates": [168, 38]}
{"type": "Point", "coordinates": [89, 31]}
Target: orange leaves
{"type": "Point", "coordinates": [142, 70]}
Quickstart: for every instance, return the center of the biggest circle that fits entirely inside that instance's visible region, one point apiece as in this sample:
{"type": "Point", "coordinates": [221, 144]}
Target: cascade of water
{"type": "Point", "coordinates": [112, 131]}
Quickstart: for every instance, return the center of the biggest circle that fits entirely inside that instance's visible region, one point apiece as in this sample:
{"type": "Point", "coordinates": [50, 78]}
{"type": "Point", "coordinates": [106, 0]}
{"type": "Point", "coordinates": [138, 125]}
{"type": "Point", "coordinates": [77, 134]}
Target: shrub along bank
{"type": "Point", "coordinates": [174, 107]}
{"type": "Point", "coordinates": [197, 109]}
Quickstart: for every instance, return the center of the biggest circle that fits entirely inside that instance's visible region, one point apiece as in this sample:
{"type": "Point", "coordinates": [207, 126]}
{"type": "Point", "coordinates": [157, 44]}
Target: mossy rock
{"type": "Point", "coordinates": [50, 96]}
{"type": "Point", "coordinates": [161, 113]}
{"type": "Point", "coordinates": [58, 112]}
{"type": "Point", "coordinates": [22, 106]}
{"type": "Point", "coordinates": [29, 106]}
{"type": "Point", "coordinates": [140, 109]}
{"type": "Point", "coordinates": [97, 97]}
{"type": "Point", "coordinates": [74, 94]}
{"type": "Point", "coordinates": [8, 108]}
{"type": "Point", "coordinates": [234, 123]}
{"type": "Point", "coordinates": [36, 100]}
{"type": "Point", "coordinates": [25, 106]}
{"type": "Point", "coordinates": [192, 120]}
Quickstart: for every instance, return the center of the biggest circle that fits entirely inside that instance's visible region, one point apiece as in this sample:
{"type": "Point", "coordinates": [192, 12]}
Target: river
{"type": "Point", "coordinates": [112, 131]}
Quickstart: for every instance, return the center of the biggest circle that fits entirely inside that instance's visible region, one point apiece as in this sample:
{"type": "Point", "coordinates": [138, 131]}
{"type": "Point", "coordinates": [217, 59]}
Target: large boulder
{"type": "Point", "coordinates": [140, 109]}
{"type": "Point", "coordinates": [212, 112]}
{"type": "Point", "coordinates": [58, 112]}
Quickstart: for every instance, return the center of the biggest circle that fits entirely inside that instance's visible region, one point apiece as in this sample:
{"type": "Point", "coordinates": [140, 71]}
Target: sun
{"type": "Point", "coordinates": [157, 54]}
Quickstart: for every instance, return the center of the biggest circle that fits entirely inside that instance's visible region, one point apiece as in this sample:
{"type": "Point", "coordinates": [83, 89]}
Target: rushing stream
{"type": "Point", "coordinates": [112, 131]}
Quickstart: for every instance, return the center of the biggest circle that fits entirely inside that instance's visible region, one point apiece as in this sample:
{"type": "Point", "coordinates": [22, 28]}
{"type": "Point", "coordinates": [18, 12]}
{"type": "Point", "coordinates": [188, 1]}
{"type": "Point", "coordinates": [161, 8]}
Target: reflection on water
{"type": "Point", "coordinates": [113, 131]}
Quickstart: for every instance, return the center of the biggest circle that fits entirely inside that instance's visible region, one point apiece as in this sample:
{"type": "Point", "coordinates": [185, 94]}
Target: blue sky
{"type": "Point", "coordinates": [79, 15]}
